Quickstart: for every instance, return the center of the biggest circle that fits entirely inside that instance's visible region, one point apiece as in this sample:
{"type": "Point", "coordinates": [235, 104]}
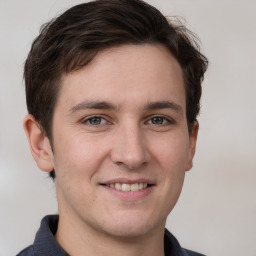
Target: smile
{"type": "Point", "coordinates": [128, 187]}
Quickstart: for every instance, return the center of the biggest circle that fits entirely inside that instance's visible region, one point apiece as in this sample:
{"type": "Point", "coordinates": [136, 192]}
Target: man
{"type": "Point", "coordinates": [113, 93]}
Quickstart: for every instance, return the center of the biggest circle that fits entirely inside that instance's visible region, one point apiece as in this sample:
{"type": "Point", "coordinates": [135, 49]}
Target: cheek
{"type": "Point", "coordinates": [172, 152]}
{"type": "Point", "coordinates": [78, 155]}
{"type": "Point", "coordinates": [172, 155]}
{"type": "Point", "coordinates": [76, 161]}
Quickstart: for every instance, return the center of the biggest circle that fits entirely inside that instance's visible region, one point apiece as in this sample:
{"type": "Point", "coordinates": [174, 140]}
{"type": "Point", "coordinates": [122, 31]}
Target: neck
{"type": "Point", "coordinates": [76, 238]}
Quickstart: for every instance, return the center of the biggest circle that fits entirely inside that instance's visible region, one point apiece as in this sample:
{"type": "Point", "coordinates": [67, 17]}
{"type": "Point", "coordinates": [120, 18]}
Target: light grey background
{"type": "Point", "coordinates": [216, 213]}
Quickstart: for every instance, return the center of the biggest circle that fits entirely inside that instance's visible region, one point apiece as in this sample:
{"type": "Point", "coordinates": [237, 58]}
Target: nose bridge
{"type": "Point", "coordinates": [129, 148]}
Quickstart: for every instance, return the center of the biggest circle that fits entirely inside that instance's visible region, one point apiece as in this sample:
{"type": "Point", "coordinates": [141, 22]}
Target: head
{"type": "Point", "coordinates": [72, 40]}
{"type": "Point", "coordinates": [113, 92]}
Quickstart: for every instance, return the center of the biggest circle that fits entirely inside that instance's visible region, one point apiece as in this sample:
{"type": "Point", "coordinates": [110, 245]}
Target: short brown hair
{"type": "Point", "coordinates": [73, 39]}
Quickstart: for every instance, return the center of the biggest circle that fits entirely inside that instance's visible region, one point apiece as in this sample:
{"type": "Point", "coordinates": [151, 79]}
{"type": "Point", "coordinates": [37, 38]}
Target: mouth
{"type": "Point", "coordinates": [129, 190]}
{"type": "Point", "coordinates": [127, 187]}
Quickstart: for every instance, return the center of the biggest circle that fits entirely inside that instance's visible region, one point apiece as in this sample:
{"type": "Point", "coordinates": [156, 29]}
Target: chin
{"type": "Point", "coordinates": [132, 226]}
{"type": "Point", "coordinates": [128, 231]}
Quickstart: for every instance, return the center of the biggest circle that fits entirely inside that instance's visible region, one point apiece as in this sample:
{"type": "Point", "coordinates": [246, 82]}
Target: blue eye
{"type": "Point", "coordinates": [95, 120]}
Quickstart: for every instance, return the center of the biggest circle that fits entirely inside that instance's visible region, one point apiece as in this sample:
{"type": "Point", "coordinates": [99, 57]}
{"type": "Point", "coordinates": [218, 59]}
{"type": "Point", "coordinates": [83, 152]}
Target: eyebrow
{"type": "Point", "coordinates": [109, 106]}
{"type": "Point", "coordinates": [92, 105]}
{"type": "Point", "coordinates": [164, 105]}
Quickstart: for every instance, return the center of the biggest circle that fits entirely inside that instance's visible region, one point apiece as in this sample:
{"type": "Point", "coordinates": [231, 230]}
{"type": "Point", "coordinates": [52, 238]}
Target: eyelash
{"type": "Point", "coordinates": [165, 120]}
{"type": "Point", "coordinates": [88, 119]}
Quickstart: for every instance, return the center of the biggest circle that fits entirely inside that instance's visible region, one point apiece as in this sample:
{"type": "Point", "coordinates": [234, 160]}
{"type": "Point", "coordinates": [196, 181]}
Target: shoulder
{"type": "Point", "coordinates": [29, 251]}
{"type": "Point", "coordinates": [191, 253]}
{"type": "Point", "coordinates": [172, 247]}
{"type": "Point", "coordinates": [44, 242]}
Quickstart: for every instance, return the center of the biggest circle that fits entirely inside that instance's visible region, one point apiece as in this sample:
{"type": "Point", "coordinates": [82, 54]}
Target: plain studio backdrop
{"type": "Point", "coordinates": [216, 213]}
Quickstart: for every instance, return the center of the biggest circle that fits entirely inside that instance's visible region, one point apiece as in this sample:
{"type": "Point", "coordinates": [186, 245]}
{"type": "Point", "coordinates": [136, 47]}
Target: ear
{"type": "Point", "coordinates": [192, 145]}
{"type": "Point", "coordinates": [39, 144]}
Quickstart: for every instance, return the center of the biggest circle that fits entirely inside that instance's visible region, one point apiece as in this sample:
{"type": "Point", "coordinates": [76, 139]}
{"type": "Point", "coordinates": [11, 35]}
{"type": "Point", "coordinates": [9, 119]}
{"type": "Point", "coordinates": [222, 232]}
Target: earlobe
{"type": "Point", "coordinates": [39, 144]}
{"type": "Point", "coordinates": [192, 145]}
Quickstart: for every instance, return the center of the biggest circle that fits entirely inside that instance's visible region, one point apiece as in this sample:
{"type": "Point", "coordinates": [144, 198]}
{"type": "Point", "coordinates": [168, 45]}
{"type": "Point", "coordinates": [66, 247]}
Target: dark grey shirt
{"type": "Point", "coordinates": [45, 244]}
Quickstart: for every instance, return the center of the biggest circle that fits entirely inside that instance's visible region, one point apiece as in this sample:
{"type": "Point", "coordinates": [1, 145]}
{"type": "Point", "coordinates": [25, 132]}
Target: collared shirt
{"type": "Point", "coordinates": [45, 244]}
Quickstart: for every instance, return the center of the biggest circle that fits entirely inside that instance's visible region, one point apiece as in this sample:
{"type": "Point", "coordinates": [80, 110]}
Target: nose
{"type": "Point", "coordinates": [129, 148]}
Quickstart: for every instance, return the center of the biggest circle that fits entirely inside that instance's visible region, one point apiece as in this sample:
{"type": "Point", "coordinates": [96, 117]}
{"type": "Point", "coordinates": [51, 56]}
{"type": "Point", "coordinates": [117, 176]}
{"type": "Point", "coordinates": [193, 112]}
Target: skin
{"type": "Point", "coordinates": [122, 117]}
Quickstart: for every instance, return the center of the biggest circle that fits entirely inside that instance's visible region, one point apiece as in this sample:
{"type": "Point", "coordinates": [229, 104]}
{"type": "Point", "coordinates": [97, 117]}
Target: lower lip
{"type": "Point", "coordinates": [130, 195]}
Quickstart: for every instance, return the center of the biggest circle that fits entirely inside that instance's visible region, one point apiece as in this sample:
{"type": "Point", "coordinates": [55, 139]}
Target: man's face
{"type": "Point", "coordinates": [121, 142]}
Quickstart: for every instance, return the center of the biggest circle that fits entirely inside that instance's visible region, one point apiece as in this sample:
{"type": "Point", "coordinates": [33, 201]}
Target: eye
{"type": "Point", "coordinates": [160, 120]}
{"type": "Point", "coordinates": [95, 121]}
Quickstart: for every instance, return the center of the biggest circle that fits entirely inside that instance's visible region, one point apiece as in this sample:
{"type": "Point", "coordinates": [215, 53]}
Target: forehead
{"type": "Point", "coordinates": [126, 74]}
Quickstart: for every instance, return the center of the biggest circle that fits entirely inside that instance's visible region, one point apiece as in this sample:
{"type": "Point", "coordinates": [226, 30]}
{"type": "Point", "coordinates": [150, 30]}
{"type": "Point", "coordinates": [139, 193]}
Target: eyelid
{"type": "Point", "coordinates": [86, 119]}
{"type": "Point", "coordinates": [168, 119]}
{"type": "Point", "coordinates": [148, 119]}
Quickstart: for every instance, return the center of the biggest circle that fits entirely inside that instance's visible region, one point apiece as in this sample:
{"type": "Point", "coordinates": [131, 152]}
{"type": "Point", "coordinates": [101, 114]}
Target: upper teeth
{"type": "Point", "coordinates": [128, 187]}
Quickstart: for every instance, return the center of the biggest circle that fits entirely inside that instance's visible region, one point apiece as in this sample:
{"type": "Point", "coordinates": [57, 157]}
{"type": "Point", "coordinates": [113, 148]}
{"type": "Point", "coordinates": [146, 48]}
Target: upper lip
{"type": "Point", "coordinates": [128, 181]}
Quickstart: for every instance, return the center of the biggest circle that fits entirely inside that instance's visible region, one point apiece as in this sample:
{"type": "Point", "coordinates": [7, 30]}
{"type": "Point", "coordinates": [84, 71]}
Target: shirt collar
{"type": "Point", "coordinates": [46, 245]}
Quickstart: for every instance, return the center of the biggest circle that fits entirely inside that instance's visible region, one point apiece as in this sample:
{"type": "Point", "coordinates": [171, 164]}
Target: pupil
{"type": "Point", "coordinates": [95, 120]}
{"type": "Point", "coordinates": [157, 120]}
